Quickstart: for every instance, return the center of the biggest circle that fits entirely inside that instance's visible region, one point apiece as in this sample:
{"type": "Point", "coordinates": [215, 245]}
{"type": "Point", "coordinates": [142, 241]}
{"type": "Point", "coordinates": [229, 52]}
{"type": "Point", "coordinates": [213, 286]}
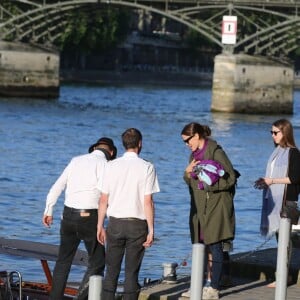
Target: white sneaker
{"type": "Point", "coordinates": [186, 294]}
{"type": "Point", "coordinates": [210, 293]}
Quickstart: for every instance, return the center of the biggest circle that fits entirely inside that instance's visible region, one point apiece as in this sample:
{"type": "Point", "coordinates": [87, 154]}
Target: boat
{"type": "Point", "coordinates": [12, 285]}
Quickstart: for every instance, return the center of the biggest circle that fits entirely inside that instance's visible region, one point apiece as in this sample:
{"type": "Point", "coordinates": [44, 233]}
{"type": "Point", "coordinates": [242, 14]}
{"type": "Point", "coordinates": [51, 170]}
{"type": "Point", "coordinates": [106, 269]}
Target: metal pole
{"type": "Point", "coordinates": [95, 287]}
{"type": "Point", "coordinates": [282, 258]}
{"type": "Point", "coordinates": [197, 271]}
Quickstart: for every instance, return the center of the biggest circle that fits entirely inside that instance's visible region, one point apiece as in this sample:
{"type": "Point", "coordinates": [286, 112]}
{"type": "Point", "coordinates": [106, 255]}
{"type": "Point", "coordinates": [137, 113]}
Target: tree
{"type": "Point", "coordinates": [94, 30]}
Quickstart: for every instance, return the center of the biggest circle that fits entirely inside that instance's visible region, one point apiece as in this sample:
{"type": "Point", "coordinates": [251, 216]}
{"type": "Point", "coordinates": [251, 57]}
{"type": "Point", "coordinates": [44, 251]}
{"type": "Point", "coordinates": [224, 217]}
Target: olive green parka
{"type": "Point", "coordinates": [212, 209]}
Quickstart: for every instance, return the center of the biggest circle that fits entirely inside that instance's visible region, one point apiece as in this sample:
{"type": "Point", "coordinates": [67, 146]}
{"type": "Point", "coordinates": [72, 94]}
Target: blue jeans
{"type": "Point", "coordinates": [74, 229]}
{"type": "Point", "coordinates": [216, 250]}
{"type": "Point", "coordinates": [124, 237]}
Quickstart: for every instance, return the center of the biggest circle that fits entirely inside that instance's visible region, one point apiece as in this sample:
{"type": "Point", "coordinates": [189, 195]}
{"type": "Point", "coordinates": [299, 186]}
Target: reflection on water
{"type": "Point", "coordinates": [39, 137]}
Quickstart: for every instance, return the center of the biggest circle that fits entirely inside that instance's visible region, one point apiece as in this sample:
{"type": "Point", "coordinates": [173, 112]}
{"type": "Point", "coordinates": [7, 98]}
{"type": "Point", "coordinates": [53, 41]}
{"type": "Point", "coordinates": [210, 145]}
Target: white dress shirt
{"type": "Point", "coordinates": [81, 180]}
{"type": "Point", "coordinates": [127, 180]}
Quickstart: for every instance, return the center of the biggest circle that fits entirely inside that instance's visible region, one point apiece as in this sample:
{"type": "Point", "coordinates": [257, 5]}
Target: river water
{"type": "Point", "coordinates": [39, 137]}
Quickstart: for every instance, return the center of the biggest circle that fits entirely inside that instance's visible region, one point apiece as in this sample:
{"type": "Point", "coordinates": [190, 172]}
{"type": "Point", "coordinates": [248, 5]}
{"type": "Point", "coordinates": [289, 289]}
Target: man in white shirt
{"type": "Point", "coordinates": [126, 199]}
{"type": "Point", "coordinates": [81, 180]}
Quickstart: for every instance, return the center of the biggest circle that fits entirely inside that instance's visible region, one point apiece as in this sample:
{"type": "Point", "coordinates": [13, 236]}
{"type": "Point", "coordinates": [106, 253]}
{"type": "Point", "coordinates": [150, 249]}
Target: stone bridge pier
{"type": "Point", "coordinates": [241, 83]}
{"type": "Point", "coordinates": [252, 84]}
{"type": "Point", "coordinates": [27, 71]}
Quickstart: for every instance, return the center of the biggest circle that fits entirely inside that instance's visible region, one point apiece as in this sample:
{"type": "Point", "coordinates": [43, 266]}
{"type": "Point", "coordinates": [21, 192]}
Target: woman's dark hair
{"type": "Point", "coordinates": [192, 128]}
{"type": "Point", "coordinates": [131, 138]}
{"type": "Point", "coordinates": [287, 131]}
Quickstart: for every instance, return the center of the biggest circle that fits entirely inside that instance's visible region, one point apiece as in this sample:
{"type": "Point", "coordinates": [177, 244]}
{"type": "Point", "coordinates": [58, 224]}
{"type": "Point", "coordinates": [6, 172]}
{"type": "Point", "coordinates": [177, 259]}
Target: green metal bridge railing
{"type": "Point", "coordinates": [269, 27]}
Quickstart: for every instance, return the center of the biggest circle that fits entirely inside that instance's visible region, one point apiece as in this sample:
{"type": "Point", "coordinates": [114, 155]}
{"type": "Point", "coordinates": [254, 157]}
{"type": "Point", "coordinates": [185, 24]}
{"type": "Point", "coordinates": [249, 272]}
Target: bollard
{"type": "Point", "coordinates": [95, 287]}
{"type": "Point", "coordinates": [197, 271]}
{"type": "Point", "coordinates": [170, 272]}
{"type": "Point", "coordinates": [282, 258]}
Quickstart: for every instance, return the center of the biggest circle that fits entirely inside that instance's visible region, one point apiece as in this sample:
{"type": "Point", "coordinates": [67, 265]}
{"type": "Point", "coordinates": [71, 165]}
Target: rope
{"type": "Point", "coordinates": [183, 261]}
{"type": "Point", "coordinates": [255, 249]}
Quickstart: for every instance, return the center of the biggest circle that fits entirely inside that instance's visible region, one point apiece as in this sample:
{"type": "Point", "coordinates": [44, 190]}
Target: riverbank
{"type": "Point", "coordinates": [164, 78]}
{"type": "Point", "coordinates": [297, 82]}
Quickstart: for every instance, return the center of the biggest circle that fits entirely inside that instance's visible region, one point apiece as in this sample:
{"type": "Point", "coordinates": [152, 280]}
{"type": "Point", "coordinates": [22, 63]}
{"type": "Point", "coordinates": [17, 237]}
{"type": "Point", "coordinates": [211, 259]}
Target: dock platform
{"type": "Point", "coordinates": [251, 272]}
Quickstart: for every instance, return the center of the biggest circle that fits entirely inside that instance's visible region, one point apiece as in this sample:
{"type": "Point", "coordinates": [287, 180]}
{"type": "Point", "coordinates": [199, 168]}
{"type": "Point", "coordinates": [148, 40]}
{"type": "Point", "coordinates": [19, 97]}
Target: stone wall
{"type": "Point", "coordinates": [250, 84]}
{"type": "Point", "coordinates": [28, 71]}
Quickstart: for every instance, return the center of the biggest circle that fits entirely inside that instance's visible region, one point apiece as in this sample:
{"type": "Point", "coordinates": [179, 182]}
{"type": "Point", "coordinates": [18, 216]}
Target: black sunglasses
{"type": "Point", "coordinates": [274, 132]}
{"type": "Point", "coordinates": [186, 141]}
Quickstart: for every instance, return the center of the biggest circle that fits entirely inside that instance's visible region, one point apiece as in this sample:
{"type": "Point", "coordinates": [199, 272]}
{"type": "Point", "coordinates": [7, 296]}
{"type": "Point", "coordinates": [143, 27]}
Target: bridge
{"type": "Point", "coordinates": [270, 28]}
{"type": "Point", "coordinates": [251, 75]}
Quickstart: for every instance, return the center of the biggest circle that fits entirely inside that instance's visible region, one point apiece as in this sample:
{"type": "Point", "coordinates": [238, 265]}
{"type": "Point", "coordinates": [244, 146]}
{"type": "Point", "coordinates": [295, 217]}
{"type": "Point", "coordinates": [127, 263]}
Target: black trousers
{"type": "Point", "coordinates": [76, 227]}
{"type": "Point", "coordinates": [125, 238]}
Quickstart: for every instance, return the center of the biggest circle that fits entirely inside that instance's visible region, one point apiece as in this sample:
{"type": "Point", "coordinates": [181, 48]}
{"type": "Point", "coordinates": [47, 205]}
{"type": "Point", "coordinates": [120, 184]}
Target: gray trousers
{"type": "Point", "coordinates": [125, 238]}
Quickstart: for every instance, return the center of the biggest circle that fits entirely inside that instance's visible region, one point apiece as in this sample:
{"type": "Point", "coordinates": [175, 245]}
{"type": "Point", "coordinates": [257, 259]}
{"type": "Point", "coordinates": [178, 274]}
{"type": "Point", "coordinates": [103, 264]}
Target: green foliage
{"type": "Point", "coordinates": [13, 11]}
{"type": "Point", "coordinates": [297, 51]}
{"type": "Point", "coordinates": [195, 40]}
{"type": "Point", "coordinates": [99, 30]}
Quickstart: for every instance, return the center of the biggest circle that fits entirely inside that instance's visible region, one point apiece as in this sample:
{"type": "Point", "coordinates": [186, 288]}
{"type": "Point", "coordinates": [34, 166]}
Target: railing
{"type": "Point", "coordinates": [281, 3]}
{"type": "Point", "coordinates": [43, 21]}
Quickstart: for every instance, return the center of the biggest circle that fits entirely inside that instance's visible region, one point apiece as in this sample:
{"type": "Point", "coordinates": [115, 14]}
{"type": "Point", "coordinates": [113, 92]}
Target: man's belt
{"type": "Point", "coordinates": [83, 212]}
{"type": "Point", "coordinates": [127, 219]}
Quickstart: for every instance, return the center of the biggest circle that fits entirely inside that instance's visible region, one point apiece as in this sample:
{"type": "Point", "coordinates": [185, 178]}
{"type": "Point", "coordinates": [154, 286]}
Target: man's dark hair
{"type": "Point", "coordinates": [131, 138]}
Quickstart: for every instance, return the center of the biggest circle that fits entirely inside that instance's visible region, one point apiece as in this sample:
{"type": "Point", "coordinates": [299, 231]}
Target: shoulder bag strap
{"type": "Point", "coordinates": [285, 187]}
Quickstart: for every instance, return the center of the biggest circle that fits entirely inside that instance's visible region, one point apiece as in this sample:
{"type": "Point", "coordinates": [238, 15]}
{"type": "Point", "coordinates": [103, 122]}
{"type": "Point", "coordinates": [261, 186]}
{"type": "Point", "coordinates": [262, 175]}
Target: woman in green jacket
{"type": "Point", "coordinates": [212, 217]}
